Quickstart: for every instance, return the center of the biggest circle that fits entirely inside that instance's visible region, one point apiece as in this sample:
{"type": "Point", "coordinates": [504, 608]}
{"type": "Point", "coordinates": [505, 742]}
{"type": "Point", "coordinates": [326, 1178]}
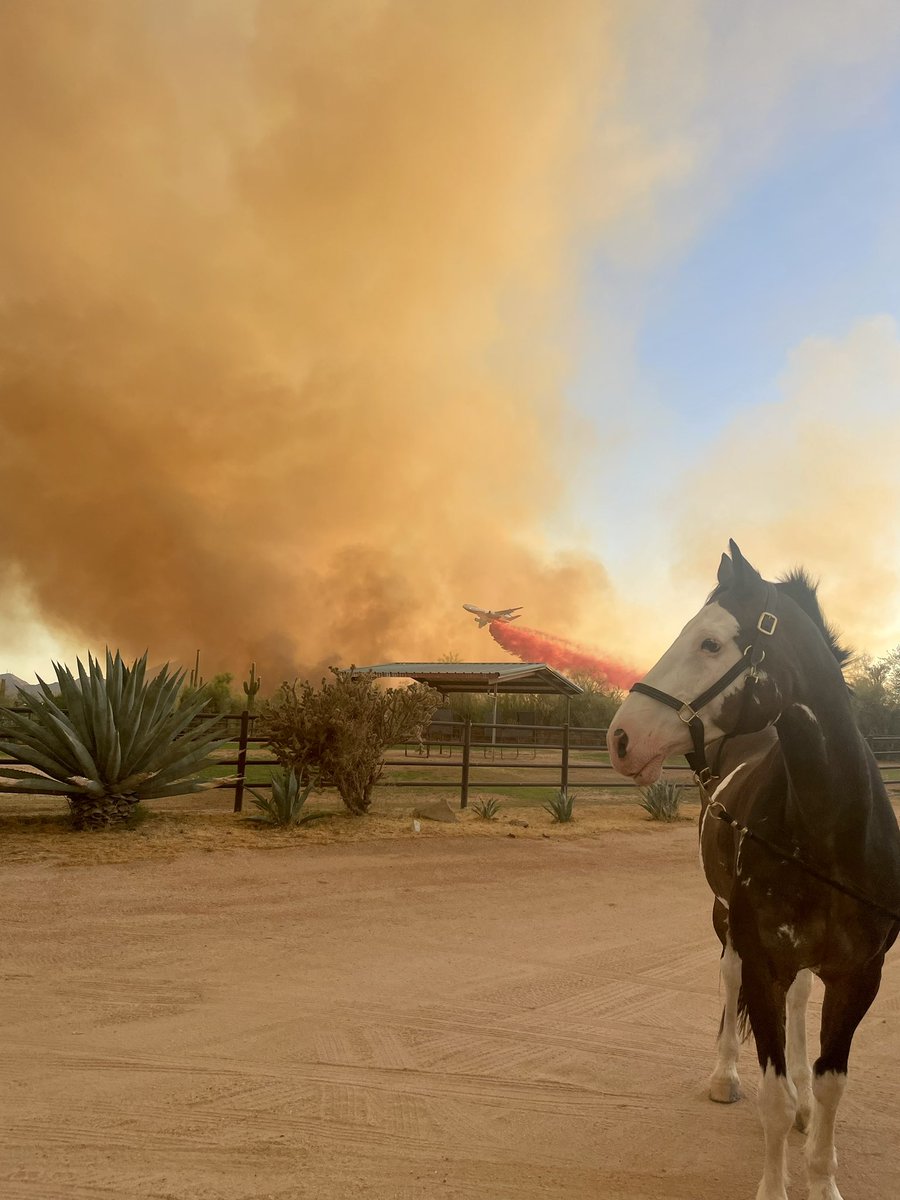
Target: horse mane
{"type": "Point", "coordinates": [802, 589]}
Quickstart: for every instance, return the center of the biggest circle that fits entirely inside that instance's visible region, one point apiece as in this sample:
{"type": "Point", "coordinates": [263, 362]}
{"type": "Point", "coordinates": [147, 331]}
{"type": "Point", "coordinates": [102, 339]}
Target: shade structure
{"type": "Point", "coordinates": [505, 678]}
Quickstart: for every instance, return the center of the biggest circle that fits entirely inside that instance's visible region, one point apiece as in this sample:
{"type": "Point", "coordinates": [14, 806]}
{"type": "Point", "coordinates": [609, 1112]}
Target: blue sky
{"type": "Point", "coordinates": [799, 250]}
{"type": "Point", "coordinates": [804, 250]}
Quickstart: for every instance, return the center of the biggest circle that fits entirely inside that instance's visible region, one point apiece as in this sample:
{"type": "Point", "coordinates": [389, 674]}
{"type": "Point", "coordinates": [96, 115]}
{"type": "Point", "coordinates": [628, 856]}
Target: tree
{"type": "Point", "coordinates": [597, 704]}
{"type": "Point", "coordinates": [215, 696]}
{"type": "Point", "coordinates": [875, 687]}
{"type": "Point", "coordinates": [338, 733]}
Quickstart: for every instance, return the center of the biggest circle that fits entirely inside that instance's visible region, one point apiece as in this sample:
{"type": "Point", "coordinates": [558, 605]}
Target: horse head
{"type": "Point", "coordinates": [732, 669]}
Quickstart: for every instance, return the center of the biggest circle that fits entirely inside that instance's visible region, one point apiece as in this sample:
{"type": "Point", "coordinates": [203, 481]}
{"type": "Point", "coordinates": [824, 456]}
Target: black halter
{"type": "Point", "coordinates": [689, 712]}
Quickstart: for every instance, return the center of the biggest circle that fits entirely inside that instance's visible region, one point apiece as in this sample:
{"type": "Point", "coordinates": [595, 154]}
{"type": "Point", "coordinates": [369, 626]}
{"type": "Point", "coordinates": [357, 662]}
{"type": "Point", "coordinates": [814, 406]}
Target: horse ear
{"type": "Point", "coordinates": [725, 575]}
{"type": "Point", "coordinates": [745, 575]}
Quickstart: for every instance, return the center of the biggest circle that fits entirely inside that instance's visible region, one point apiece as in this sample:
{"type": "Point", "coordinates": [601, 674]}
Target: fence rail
{"type": "Point", "coordinates": [467, 747]}
{"type": "Point", "coordinates": [482, 746]}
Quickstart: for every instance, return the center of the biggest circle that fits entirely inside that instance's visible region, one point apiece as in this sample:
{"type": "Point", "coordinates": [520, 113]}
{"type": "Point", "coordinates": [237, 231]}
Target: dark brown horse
{"type": "Point", "coordinates": [799, 842]}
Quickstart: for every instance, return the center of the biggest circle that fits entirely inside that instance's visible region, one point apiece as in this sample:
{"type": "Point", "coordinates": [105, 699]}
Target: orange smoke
{"type": "Point", "coordinates": [530, 645]}
{"type": "Point", "coordinates": [284, 283]}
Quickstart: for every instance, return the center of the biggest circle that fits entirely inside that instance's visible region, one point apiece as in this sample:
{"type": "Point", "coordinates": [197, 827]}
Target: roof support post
{"type": "Point", "coordinates": [466, 755]}
{"type": "Point", "coordinates": [564, 761]}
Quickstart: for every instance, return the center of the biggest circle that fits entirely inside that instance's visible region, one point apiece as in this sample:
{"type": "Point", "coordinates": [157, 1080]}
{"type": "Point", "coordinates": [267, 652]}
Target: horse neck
{"type": "Point", "coordinates": [825, 755]}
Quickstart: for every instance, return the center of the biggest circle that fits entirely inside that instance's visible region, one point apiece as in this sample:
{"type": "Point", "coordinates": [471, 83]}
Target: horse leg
{"type": "Point", "coordinates": [764, 996]}
{"type": "Point", "coordinates": [797, 1054]}
{"type": "Point", "coordinates": [724, 1084]}
{"type": "Point", "coordinates": [777, 1101]}
{"type": "Point", "coordinates": [847, 1000]}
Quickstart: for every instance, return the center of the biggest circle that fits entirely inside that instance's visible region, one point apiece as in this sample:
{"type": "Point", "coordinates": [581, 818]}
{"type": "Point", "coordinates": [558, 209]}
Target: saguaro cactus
{"type": "Point", "coordinates": [251, 687]}
{"type": "Point", "coordinates": [195, 681]}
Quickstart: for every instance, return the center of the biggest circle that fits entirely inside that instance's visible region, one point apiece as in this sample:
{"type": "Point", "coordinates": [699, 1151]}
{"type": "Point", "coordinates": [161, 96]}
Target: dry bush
{"type": "Point", "coordinates": [338, 733]}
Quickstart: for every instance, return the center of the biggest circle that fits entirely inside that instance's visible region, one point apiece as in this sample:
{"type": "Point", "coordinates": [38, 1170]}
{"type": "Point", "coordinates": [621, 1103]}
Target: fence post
{"type": "Point", "coordinates": [466, 748]}
{"type": "Point", "coordinates": [564, 764]}
{"type": "Point", "coordinates": [242, 761]}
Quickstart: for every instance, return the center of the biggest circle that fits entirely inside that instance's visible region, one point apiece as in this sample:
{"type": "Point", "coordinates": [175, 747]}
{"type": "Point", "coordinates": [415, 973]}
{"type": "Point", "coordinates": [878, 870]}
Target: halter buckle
{"type": "Point", "coordinates": [686, 708]}
{"type": "Point", "coordinates": [767, 623]}
{"type": "Point", "coordinates": [704, 777]}
{"type": "Point", "coordinates": [756, 656]}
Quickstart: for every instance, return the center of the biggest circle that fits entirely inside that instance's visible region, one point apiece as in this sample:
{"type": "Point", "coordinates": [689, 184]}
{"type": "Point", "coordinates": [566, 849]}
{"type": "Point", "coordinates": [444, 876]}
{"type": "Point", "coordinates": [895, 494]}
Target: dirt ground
{"type": "Point", "coordinates": [417, 1017]}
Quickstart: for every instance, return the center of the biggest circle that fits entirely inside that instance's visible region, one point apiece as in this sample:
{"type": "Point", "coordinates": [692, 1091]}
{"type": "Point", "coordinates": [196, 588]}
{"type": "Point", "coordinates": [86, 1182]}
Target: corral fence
{"type": "Point", "coordinates": [566, 756]}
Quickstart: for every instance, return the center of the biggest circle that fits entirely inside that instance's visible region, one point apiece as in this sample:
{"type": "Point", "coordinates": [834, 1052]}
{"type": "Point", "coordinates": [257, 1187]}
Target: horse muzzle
{"type": "Point", "coordinates": [641, 738]}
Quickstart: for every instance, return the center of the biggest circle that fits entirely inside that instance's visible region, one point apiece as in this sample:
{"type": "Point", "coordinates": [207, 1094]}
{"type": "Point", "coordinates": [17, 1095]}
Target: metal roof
{"type": "Point", "coordinates": [504, 677]}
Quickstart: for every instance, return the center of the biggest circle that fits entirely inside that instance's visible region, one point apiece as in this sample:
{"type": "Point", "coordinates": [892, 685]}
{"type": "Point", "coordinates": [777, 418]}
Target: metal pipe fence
{"type": "Point", "coordinates": [482, 746]}
{"type": "Point", "coordinates": [569, 756]}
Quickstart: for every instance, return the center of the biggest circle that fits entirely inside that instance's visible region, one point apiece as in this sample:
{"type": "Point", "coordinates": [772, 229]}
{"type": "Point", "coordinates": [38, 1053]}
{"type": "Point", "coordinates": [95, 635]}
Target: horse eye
{"type": "Point", "coordinates": [711, 645]}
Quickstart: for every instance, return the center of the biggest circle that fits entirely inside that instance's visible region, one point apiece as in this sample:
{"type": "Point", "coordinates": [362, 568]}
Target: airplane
{"type": "Point", "coordinates": [484, 616]}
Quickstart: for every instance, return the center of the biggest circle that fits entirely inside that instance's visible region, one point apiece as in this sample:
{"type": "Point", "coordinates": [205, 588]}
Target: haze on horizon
{"type": "Point", "coordinates": [319, 321]}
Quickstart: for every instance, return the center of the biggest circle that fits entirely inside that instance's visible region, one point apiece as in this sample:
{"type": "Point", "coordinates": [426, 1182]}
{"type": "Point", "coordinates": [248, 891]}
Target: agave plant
{"type": "Point", "coordinates": [285, 806]}
{"type": "Point", "coordinates": [106, 742]}
{"type": "Point", "coordinates": [487, 809]}
{"type": "Point", "coordinates": [561, 805]}
{"type": "Point", "coordinates": [660, 800]}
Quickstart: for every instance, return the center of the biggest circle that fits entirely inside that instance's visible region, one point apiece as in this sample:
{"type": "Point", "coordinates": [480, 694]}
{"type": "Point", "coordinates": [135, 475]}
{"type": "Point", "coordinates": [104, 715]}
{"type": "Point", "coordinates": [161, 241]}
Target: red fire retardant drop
{"type": "Point", "coordinates": [530, 645]}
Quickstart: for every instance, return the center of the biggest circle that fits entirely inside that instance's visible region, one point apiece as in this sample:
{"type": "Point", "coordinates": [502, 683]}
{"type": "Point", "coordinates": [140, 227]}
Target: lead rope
{"type": "Point", "coordinates": [721, 813]}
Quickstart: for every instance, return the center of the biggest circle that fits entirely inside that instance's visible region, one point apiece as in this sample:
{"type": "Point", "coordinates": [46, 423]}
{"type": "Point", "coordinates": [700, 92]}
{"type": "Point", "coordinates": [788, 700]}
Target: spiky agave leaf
{"type": "Point", "coordinates": [487, 809]}
{"type": "Point", "coordinates": [561, 806]}
{"type": "Point", "coordinates": [285, 805]}
{"type": "Point", "coordinates": [661, 800]}
{"type": "Point", "coordinates": [21, 780]}
{"type": "Point", "coordinates": [115, 737]}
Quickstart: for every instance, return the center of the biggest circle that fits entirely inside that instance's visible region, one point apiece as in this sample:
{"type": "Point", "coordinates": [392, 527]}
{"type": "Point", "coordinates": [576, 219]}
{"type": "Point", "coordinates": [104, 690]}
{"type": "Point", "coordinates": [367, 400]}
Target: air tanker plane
{"type": "Point", "coordinates": [484, 616]}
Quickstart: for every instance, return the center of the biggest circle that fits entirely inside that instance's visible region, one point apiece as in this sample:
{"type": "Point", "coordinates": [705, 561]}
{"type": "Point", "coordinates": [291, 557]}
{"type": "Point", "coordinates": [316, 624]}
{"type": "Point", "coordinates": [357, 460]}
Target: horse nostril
{"type": "Point", "coordinates": [620, 737]}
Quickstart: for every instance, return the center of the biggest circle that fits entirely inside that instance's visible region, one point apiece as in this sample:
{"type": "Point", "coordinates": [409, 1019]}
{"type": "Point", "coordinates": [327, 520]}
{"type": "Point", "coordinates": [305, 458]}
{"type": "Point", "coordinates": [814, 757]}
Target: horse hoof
{"type": "Point", "coordinates": [725, 1091]}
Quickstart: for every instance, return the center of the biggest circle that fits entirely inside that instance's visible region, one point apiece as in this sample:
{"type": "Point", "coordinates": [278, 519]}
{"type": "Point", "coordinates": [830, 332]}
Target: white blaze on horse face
{"type": "Point", "coordinates": [687, 669]}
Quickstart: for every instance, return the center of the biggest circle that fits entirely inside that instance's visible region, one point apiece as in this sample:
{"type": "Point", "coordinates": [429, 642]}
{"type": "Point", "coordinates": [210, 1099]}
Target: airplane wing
{"type": "Point", "coordinates": [484, 616]}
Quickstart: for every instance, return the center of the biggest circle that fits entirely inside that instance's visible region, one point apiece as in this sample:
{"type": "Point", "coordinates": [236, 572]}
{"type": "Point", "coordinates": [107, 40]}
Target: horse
{"type": "Point", "coordinates": [799, 842]}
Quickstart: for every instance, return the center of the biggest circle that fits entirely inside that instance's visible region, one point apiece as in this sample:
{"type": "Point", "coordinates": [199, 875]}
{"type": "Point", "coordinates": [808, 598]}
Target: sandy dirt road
{"type": "Point", "coordinates": [410, 1020]}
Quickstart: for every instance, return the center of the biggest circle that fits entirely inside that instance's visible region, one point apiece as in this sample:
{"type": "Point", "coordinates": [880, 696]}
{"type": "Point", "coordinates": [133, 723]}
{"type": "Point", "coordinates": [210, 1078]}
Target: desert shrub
{"type": "Point", "coordinates": [107, 741]}
{"type": "Point", "coordinates": [487, 809]}
{"type": "Point", "coordinates": [596, 705]}
{"type": "Point", "coordinates": [338, 733]}
{"type": "Point", "coordinates": [216, 696]}
{"type": "Point", "coordinates": [661, 800]}
{"type": "Point", "coordinates": [285, 806]}
{"type": "Point", "coordinates": [561, 805]}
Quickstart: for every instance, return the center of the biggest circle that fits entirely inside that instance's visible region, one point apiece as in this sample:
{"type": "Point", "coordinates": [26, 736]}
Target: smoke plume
{"type": "Point", "coordinates": [282, 294]}
{"type": "Point", "coordinates": [530, 645]}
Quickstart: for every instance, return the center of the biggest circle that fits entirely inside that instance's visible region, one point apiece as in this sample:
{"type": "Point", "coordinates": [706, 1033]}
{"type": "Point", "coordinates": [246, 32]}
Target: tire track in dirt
{"type": "Point", "coordinates": [402, 1041]}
